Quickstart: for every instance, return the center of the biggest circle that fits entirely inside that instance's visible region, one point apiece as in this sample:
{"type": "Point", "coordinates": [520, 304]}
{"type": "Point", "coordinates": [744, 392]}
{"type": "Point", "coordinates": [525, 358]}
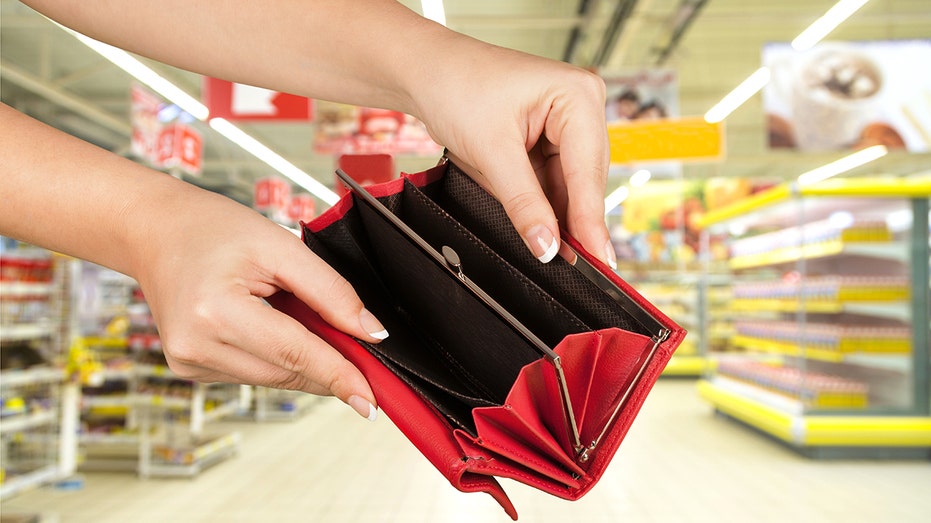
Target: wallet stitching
{"type": "Point", "coordinates": [528, 283]}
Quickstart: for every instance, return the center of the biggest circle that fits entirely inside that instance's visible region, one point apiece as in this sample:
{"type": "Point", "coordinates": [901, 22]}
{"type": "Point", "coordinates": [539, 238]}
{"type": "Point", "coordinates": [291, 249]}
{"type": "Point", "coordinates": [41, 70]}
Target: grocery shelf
{"type": "Point", "coordinates": [852, 187]}
{"type": "Point", "coordinates": [167, 461]}
{"type": "Point", "coordinates": [889, 251]}
{"type": "Point", "coordinates": [23, 422]}
{"type": "Point", "coordinates": [26, 331]}
{"type": "Point", "coordinates": [840, 353]}
{"type": "Point", "coordinates": [23, 288]}
{"type": "Point", "coordinates": [20, 482]}
{"type": "Point", "coordinates": [31, 376]}
{"type": "Point", "coordinates": [891, 309]}
{"type": "Point", "coordinates": [784, 421]}
{"type": "Point", "coordinates": [829, 311]}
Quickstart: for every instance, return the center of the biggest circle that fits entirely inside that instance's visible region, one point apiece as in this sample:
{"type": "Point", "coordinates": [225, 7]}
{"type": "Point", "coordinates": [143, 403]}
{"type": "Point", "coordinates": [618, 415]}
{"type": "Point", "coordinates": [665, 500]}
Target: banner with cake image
{"type": "Point", "coordinates": [849, 95]}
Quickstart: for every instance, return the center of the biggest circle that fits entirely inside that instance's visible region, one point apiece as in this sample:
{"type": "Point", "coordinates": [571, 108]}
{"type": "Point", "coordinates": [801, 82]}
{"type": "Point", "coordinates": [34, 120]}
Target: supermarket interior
{"type": "Point", "coordinates": [768, 207]}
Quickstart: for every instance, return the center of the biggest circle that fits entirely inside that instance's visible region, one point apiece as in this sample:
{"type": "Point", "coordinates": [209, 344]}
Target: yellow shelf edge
{"type": "Point", "coordinates": [741, 207]}
{"type": "Point", "coordinates": [871, 187]}
{"type": "Point", "coordinates": [834, 431]}
{"type": "Point", "coordinates": [866, 187]}
{"type": "Point", "coordinates": [686, 366]}
{"type": "Point", "coordinates": [755, 414]}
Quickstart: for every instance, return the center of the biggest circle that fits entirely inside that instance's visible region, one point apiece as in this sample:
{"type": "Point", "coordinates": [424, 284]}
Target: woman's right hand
{"type": "Point", "coordinates": [205, 266]}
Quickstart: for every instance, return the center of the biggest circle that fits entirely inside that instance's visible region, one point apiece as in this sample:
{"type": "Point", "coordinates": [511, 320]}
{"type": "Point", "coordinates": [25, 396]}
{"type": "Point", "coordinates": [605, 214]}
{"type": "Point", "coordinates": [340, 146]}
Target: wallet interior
{"type": "Point", "coordinates": [444, 342]}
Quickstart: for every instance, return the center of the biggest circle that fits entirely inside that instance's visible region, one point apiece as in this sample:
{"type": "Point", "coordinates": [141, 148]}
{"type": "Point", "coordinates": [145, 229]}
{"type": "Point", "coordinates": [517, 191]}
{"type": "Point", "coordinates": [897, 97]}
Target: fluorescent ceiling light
{"type": "Point", "coordinates": [273, 159]}
{"type": "Point", "coordinates": [144, 74]}
{"type": "Point", "coordinates": [738, 96]}
{"type": "Point", "coordinates": [639, 178]}
{"type": "Point", "coordinates": [616, 198]}
{"type": "Point", "coordinates": [195, 108]}
{"type": "Point", "coordinates": [846, 163]}
{"type": "Point", "coordinates": [827, 23]}
{"type": "Point", "coordinates": [433, 9]}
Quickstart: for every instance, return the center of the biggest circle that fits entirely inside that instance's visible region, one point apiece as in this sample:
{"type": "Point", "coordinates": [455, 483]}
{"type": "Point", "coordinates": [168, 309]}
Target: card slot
{"type": "Point", "coordinates": [454, 405]}
{"type": "Point", "coordinates": [523, 298]}
{"type": "Point", "coordinates": [413, 357]}
{"type": "Point", "coordinates": [487, 351]}
{"type": "Point", "coordinates": [479, 212]}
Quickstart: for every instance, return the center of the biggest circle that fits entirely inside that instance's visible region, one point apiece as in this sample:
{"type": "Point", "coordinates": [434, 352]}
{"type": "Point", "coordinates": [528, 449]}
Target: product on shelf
{"type": "Point", "coordinates": [829, 337]}
{"type": "Point", "coordinates": [853, 230]}
{"type": "Point", "coordinates": [815, 389]}
{"type": "Point", "coordinates": [826, 288]}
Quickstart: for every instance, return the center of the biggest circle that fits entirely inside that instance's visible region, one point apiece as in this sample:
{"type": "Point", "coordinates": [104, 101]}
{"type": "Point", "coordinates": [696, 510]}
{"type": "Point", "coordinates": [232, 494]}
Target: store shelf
{"type": "Point", "coordinates": [838, 354]}
{"type": "Point", "coordinates": [188, 462]}
{"type": "Point", "coordinates": [26, 331]}
{"type": "Point", "coordinates": [32, 376]}
{"type": "Point", "coordinates": [831, 331]}
{"type": "Point", "coordinates": [852, 187]}
{"type": "Point", "coordinates": [22, 422]}
{"type": "Point", "coordinates": [889, 251]}
{"type": "Point", "coordinates": [886, 309]}
{"type": "Point", "coordinates": [19, 289]}
{"type": "Point", "coordinates": [20, 482]}
{"type": "Point", "coordinates": [783, 420]}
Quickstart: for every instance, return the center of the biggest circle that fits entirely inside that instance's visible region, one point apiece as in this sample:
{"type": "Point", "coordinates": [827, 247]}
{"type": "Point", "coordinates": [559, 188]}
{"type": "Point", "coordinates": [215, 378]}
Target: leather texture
{"type": "Point", "coordinates": [475, 399]}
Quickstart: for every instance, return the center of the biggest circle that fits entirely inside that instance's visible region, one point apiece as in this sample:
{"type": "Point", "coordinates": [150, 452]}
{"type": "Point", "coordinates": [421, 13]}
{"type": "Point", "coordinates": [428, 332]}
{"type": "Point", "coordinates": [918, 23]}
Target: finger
{"type": "Point", "coordinates": [237, 366]}
{"type": "Point", "coordinates": [583, 152]}
{"type": "Point", "coordinates": [512, 181]}
{"type": "Point", "coordinates": [285, 344]}
{"type": "Point", "coordinates": [323, 289]}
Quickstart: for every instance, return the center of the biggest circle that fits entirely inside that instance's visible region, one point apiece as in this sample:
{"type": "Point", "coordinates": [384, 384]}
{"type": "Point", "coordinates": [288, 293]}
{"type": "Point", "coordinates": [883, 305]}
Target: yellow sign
{"type": "Point", "coordinates": [666, 139]}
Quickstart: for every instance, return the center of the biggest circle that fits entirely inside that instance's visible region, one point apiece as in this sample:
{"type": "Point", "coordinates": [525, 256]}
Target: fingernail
{"type": "Point", "coordinates": [363, 407]}
{"type": "Point", "coordinates": [611, 255]}
{"type": "Point", "coordinates": [372, 326]}
{"type": "Point", "coordinates": [543, 243]}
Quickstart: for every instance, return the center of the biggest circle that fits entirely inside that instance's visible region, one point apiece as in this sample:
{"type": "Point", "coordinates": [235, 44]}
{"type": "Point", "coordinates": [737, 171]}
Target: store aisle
{"type": "Point", "coordinates": [680, 463]}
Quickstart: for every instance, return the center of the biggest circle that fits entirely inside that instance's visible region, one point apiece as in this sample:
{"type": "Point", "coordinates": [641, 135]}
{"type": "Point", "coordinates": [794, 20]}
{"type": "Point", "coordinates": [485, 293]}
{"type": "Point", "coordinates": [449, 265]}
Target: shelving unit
{"type": "Point", "coordinates": [39, 405]}
{"type": "Point", "coordinates": [829, 317]}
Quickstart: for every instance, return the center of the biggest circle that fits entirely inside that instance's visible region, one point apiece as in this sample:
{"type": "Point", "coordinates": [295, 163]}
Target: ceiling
{"type": "Point", "coordinates": [712, 45]}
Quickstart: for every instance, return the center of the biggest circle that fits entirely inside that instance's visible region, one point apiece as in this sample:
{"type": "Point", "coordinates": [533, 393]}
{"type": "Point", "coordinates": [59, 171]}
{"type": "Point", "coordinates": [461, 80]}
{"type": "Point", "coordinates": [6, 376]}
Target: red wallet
{"type": "Point", "coordinates": [496, 365]}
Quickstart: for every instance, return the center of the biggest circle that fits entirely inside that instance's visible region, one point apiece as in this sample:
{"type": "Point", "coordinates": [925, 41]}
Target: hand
{"type": "Point", "coordinates": [533, 132]}
{"type": "Point", "coordinates": [208, 264]}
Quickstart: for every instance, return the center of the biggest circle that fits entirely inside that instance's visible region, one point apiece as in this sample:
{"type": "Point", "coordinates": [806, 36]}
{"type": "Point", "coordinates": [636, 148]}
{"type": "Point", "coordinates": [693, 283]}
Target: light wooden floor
{"type": "Point", "coordinates": [680, 463]}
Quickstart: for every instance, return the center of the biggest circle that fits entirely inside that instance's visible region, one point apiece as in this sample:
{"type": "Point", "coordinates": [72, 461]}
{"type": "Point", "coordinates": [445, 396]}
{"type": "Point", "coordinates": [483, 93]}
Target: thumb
{"type": "Point", "coordinates": [511, 180]}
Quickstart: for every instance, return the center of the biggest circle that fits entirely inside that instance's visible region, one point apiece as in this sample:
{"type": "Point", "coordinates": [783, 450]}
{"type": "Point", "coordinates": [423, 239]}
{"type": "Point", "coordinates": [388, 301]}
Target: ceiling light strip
{"type": "Point", "coordinates": [146, 75]}
{"type": "Point", "coordinates": [195, 108]}
{"type": "Point", "coordinates": [805, 40]}
{"type": "Point", "coordinates": [827, 23]}
{"type": "Point", "coordinates": [738, 96]}
{"type": "Point", "coordinates": [844, 164]}
{"type": "Point", "coordinates": [273, 159]}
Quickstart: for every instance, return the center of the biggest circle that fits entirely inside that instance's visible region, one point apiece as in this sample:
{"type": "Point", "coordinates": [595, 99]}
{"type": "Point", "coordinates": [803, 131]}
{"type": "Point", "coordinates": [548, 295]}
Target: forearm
{"type": "Point", "coordinates": [364, 52]}
{"type": "Point", "coordinates": [72, 197]}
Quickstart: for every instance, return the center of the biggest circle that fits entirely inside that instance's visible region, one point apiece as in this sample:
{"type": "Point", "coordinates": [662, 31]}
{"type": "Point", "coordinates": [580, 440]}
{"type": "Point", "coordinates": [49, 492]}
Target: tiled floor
{"type": "Point", "coordinates": [680, 463]}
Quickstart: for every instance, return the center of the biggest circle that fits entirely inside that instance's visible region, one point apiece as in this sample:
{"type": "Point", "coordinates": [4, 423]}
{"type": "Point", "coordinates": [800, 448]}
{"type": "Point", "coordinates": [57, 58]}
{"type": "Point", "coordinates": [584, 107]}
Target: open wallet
{"type": "Point", "coordinates": [497, 365]}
